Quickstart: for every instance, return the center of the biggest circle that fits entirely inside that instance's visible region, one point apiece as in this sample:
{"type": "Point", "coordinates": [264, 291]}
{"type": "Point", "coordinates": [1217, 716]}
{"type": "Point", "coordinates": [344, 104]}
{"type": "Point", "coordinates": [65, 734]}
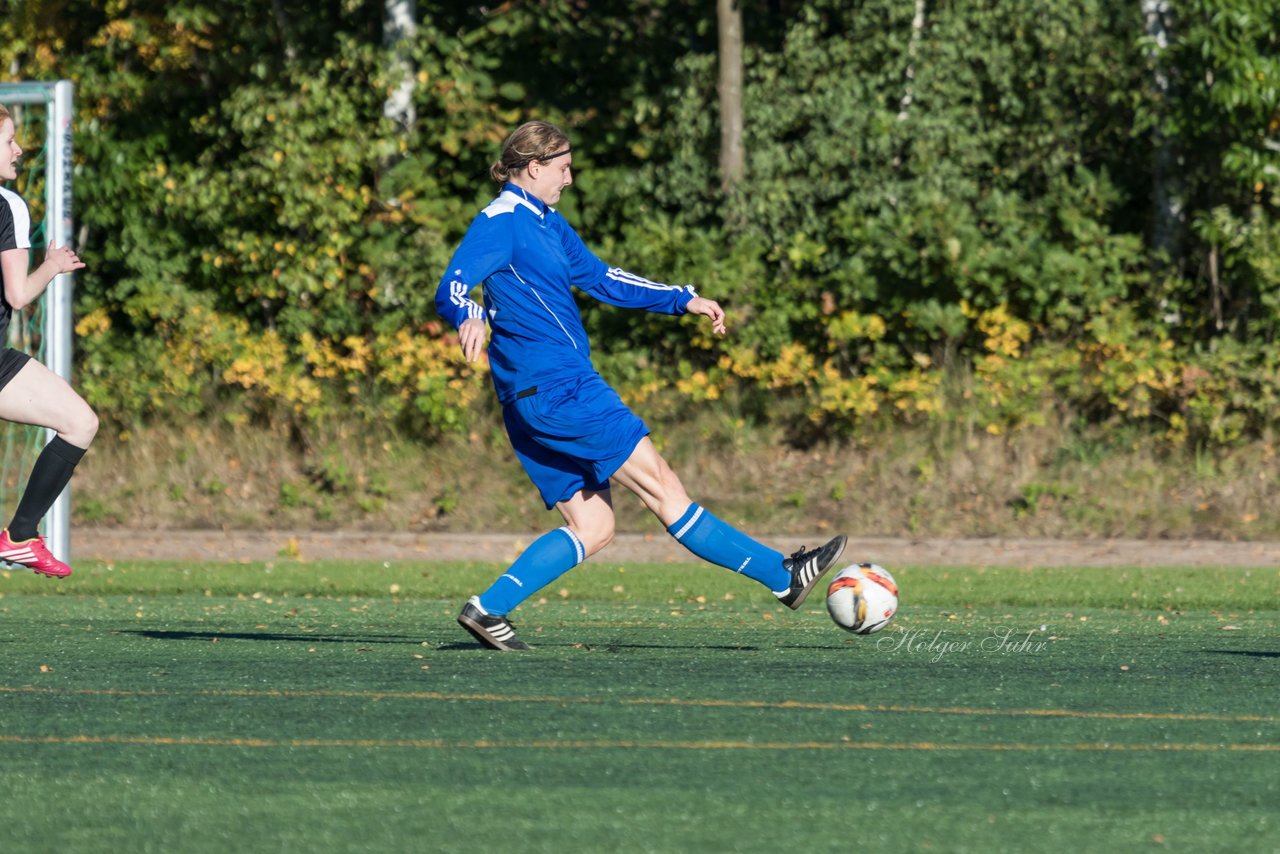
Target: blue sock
{"type": "Point", "coordinates": [549, 557]}
{"type": "Point", "coordinates": [724, 545]}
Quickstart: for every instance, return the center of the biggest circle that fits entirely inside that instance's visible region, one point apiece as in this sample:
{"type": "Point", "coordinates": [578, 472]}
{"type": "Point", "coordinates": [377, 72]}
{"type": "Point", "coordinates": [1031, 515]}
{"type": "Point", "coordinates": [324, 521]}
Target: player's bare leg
{"type": "Point", "coordinates": [40, 397]}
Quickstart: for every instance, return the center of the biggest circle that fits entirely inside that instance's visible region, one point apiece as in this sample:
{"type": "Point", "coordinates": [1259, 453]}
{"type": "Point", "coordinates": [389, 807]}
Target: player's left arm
{"type": "Point", "coordinates": [616, 286]}
{"type": "Point", "coordinates": [710, 308]}
{"type": "Point", "coordinates": [22, 286]}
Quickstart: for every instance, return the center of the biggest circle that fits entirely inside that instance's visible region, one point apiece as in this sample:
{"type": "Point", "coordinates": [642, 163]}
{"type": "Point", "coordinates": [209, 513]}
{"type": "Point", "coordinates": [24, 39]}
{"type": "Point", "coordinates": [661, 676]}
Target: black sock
{"type": "Point", "coordinates": [49, 476]}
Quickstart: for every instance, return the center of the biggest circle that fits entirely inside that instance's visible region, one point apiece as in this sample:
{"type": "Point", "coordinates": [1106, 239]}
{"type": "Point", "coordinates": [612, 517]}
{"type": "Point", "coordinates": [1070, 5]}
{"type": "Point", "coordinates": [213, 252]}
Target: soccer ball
{"type": "Point", "coordinates": [862, 598]}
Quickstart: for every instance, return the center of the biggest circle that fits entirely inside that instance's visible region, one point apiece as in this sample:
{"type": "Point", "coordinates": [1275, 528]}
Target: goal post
{"type": "Point", "coordinates": [54, 98]}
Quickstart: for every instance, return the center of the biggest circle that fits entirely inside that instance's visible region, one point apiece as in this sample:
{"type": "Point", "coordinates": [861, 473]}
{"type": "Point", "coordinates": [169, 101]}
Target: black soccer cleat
{"type": "Point", "coordinates": [806, 567]}
{"type": "Point", "coordinates": [491, 630]}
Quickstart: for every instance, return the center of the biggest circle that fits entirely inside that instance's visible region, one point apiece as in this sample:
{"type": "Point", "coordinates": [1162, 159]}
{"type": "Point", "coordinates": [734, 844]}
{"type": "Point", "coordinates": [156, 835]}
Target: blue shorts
{"type": "Point", "coordinates": [572, 435]}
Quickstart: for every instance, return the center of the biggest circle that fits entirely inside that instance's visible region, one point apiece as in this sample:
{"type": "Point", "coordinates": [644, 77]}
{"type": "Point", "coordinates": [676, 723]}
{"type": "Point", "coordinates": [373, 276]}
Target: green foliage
{"type": "Point", "coordinates": [945, 222]}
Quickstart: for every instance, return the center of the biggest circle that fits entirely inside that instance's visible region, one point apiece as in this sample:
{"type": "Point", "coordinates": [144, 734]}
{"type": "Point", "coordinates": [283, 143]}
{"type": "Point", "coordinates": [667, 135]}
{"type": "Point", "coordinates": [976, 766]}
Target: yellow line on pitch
{"type": "Point", "coordinates": [451, 744]}
{"type": "Point", "coordinates": [660, 701]}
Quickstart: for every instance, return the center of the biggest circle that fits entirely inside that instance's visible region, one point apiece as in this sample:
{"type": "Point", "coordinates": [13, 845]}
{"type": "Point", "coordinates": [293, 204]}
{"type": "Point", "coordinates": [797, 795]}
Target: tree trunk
{"type": "Point", "coordinates": [909, 86]}
{"type": "Point", "coordinates": [913, 45]}
{"type": "Point", "coordinates": [1166, 190]}
{"type": "Point", "coordinates": [399, 28]}
{"type": "Point", "coordinates": [732, 160]}
{"type": "Point", "coordinates": [286, 31]}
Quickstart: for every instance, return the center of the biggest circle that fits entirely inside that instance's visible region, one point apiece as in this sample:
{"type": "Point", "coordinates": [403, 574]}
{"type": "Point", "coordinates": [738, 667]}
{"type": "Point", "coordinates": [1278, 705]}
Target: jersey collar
{"type": "Point", "coordinates": [527, 199]}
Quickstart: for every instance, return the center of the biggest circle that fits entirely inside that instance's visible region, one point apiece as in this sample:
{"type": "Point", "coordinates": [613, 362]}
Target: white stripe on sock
{"type": "Point", "coordinates": [687, 525]}
{"type": "Point", "coordinates": [578, 547]}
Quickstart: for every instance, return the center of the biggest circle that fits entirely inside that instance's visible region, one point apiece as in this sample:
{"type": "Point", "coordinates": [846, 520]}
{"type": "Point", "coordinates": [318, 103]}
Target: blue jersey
{"type": "Point", "coordinates": [529, 259]}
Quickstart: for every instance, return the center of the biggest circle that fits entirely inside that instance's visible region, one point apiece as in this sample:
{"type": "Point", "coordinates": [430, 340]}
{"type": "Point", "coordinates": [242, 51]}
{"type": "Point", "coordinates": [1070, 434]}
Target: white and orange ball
{"type": "Point", "coordinates": [862, 598]}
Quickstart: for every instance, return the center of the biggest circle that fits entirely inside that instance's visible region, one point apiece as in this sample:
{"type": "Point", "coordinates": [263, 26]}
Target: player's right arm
{"type": "Point", "coordinates": [484, 250]}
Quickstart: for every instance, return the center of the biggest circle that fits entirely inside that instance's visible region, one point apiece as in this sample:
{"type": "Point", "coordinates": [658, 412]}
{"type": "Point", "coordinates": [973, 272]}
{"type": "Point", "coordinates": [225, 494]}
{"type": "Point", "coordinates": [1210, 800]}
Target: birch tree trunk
{"type": "Point", "coordinates": [909, 87]}
{"type": "Point", "coordinates": [917, 28]}
{"type": "Point", "coordinates": [399, 28]}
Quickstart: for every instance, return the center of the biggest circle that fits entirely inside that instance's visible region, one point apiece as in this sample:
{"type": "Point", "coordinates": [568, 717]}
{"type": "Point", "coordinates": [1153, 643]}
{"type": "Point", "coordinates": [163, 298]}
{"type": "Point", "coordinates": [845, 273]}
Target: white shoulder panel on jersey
{"type": "Point", "coordinates": [21, 218]}
{"type": "Point", "coordinates": [506, 203]}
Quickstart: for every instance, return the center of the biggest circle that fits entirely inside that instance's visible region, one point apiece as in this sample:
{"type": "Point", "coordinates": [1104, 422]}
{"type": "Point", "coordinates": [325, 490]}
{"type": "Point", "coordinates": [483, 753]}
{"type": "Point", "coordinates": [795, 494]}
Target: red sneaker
{"type": "Point", "coordinates": [31, 554]}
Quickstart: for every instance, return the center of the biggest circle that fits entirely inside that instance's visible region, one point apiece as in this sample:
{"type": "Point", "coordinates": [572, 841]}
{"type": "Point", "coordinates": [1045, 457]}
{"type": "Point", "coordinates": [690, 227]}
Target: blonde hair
{"type": "Point", "coordinates": [529, 142]}
{"type": "Point", "coordinates": [4, 114]}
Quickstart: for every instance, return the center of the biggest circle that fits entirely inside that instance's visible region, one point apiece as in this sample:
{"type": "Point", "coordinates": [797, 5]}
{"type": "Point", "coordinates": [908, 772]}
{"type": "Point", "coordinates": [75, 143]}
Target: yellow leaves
{"type": "Point", "coordinates": [853, 326]}
{"type": "Point", "coordinates": [119, 30]}
{"type": "Point", "coordinates": [698, 387]}
{"type": "Point", "coordinates": [161, 45]}
{"type": "Point", "coordinates": [1005, 334]}
{"type": "Point", "coordinates": [794, 366]}
{"type": "Point", "coordinates": [855, 397]}
{"type": "Point", "coordinates": [95, 322]}
{"type": "Point", "coordinates": [328, 359]}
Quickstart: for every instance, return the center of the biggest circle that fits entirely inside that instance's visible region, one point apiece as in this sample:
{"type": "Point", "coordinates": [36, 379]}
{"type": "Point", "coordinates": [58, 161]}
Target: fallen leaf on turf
{"type": "Point", "coordinates": [44, 668]}
{"type": "Point", "coordinates": [1231, 628]}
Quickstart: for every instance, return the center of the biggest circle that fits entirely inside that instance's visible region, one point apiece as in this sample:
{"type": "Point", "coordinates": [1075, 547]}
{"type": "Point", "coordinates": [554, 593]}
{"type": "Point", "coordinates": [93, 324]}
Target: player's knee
{"type": "Point", "coordinates": [82, 427]}
{"type": "Point", "coordinates": [597, 535]}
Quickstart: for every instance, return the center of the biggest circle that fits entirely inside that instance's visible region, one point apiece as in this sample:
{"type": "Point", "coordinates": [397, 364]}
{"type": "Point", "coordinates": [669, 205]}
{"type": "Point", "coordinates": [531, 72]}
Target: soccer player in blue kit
{"type": "Point", "coordinates": [568, 427]}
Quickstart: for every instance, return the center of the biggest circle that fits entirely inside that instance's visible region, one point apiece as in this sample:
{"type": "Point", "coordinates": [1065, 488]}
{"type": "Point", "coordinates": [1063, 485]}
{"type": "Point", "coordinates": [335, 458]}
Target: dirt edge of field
{"type": "Point", "coordinates": [119, 544]}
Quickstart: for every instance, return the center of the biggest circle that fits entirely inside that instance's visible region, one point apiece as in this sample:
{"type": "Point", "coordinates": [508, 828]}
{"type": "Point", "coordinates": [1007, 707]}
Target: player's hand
{"type": "Point", "coordinates": [709, 308]}
{"type": "Point", "coordinates": [64, 259]}
{"type": "Point", "coordinates": [471, 335]}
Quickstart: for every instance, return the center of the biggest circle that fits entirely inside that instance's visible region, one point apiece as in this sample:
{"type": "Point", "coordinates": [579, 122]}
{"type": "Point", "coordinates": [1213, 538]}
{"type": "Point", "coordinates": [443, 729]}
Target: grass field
{"type": "Point", "coordinates": [328, 707]}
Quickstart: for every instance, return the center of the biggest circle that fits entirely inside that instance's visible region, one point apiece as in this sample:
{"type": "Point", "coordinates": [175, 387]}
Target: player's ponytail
{"type": "Point", "coordinates": [531, 141]}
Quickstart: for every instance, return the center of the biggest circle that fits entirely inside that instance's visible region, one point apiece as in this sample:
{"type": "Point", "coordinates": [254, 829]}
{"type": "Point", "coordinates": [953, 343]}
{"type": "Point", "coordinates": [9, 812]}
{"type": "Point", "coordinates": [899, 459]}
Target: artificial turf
{"type": "Point", "coordinates": [337, 707]}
